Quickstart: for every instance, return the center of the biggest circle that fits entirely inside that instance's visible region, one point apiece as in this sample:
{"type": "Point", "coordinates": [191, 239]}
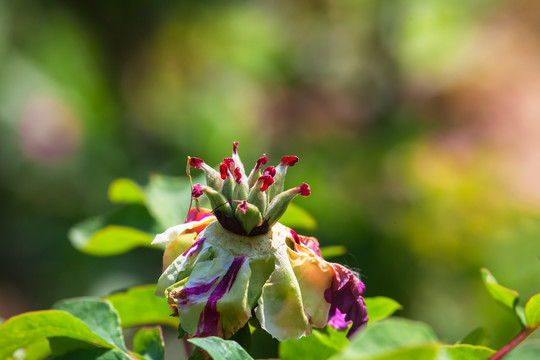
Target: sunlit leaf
{"type": "Point", "coordinates": [297, 217]}
{"type": "Point", "coordinates": [28, 328]}
{"type": "Point", "coordinates": [321, 345]}
{"type": "Point", "coordinates": [476, 337]}
{"type": "Point", "coordinates": [127, 228]}
{"type": "Point", "coordinates": [467, 352]}
{"type": "Point", "coordinates": [532, 311]}
{"type": "Point", "coordinates": [139, 306]}
{"type": "Point", "coordinates": [220, 349]}
{"type": "Point", "coordinates": [98, 315]}
{"type": "Point", "coordinates": [380, 307]}
{"type": "Point", "coordinates": [419, 352]}
{"type": "Point", "coordinates": [148, 342]}
{"type": "Point", "coordinates": [37, 351]}
{"type": "Point", "coordinates": [392, 339]}
{"type": "Point", "coordinates": [328, 252]}
{"type": "Point", "coordinates": [503, 295]}
{"type": "Point", "coordinates": [125, 191]}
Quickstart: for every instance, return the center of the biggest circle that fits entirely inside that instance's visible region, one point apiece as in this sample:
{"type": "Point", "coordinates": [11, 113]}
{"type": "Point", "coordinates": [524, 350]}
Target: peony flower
{"type": "Point", "coordinates": [236, 263]}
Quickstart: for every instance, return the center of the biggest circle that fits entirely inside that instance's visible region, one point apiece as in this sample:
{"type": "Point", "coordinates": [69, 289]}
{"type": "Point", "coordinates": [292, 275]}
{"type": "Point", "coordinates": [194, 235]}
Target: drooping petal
{"type": "Point", "coordinates": [181, 267]}
{"type": "Point", "coordinates": [177, 247]}
{"type": "Point", "coordinates": [314, 276]}
{"type": "Point", "coordinates": [280, 310]}
{"type": "Point", "coordinates": [217, 305]}
{"type": "Point", "coordinates": [345, 296]}
{"type": "Point", "coordinates": [227, 304]}
{"type": "Point", "coordinates": [172, 233]}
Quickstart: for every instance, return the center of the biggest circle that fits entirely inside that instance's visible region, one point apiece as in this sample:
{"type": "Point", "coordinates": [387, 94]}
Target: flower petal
{"type": "Point", "coordinates": [346, 299]}
{"type": "Point", "coordinates": [172, 233]}
{"type": "Point", "coordinates": [314, 276]}
{"type": "Point", "coordinates": [181, 267]}
{"type": "Point", "coordinates": [280, 310]}
{"type": "Point", "coordinates": [213, 300]}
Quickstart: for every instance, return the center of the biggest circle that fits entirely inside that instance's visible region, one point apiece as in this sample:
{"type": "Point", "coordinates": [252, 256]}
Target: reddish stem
{"type": "Point", "coordinates": [505, 350]}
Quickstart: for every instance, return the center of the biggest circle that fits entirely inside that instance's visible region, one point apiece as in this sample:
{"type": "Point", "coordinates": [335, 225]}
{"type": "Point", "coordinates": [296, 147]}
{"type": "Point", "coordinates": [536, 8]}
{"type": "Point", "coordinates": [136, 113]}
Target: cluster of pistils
{"type": "Point", "coordinates": [248, 205]}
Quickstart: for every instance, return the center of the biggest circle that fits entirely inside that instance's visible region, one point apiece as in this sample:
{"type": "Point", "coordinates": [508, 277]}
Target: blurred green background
{"type": "Point", "coordinates": [416, 123]}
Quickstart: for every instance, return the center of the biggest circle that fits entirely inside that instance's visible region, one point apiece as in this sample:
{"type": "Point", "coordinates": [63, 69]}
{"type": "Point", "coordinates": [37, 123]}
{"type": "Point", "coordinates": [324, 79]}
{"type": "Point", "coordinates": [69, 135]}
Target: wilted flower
{"type": "Point", "coordinates": [236, 263]}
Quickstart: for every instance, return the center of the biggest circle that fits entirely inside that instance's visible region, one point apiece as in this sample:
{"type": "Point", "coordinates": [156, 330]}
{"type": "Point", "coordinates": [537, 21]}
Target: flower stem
{"type": "Point", "coordinates": [518, 339]}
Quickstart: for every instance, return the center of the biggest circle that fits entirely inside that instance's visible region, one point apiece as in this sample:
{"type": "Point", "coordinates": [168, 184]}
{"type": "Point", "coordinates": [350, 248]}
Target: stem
{"type": "Point", "coordinates": [505, 350]}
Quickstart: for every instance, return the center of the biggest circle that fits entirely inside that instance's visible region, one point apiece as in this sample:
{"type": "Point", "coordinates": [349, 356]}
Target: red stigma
{"type": "Point", "coordinates": [223, 170]}
{"type": "Point", "coordinates": [270, 171]}
{"type": "Point", "coordinates": [235, 147]}
{"type": "Point", "coordinates": [243, 206]}
{"type": "Point", "coordinates": [289, 160]}
{"type": "Point", "coordinates": [197, 191]}
{"type": "Point", "coordinates": [238, 175]}
{"type": "Point", "coordinates": [304, 189]}
{"type": "Point", "coordinates": [196, 162]}
{"type": "Point", "coordinates": [267, 180]}
{"type": "Point", "coordinates": [230, 164]}
{"type": "Point", "coordinates": [262, 161]}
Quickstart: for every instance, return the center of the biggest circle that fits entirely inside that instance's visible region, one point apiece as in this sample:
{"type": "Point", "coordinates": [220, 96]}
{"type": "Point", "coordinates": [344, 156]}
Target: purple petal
{"type": "Point", "coordinates": [188, 295]}
{"type": "Point", "coordinates": [193, 248]}
{"type": "Point", "coordinates": [209, 319]}
{"type": "Point", "coordinates": [345, 296]}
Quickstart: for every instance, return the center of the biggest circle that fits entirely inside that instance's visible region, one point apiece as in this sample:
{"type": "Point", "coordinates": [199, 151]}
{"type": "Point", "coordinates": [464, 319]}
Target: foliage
{"type": "Point", "coordinates": [92, 328]}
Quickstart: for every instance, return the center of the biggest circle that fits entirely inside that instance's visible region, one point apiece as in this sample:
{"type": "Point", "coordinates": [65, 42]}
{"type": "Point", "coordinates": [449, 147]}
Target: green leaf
{"type": "Point", "coordinates": [532, 312]}
{"type": "Point", "coordinates": [125, 191]}
{"type": "Point", "coordinates": [392, 339]}
{"type": "Point", "coordinates": [467, 352]}
{"type": "Point", "coordinates": [527, 351]}
{"type": "Point", "coordinates": [115, 233]}
{"type": "Point", "coordinates": [297, 217]}
{"type": "Point", "coordinates": [380, 307]}
{"type": "Point", "coordinates": [321, 345]}
{"type": "Point", "coordinates": [61, 345]}
{"type": "Point", "coordinates": [22, 330]}
{"type": "Point", "coordinates": [95, 354]}
{"type": "Point", "coordinates": [476, 337]}
{"type": "Point", "coordinates": [328, 252]}
{"type": "Point", "coordinates": [504, 296]}
{"type": "Point", "coordinates": [220, 349]}
{"type": "Point", "coordinates": [98, 315]}
{"type": "Point", "coordinates": [148, 342]}
{"type": "Point", "coordinates": [168, 199]}
{"type": "Point", "coordinates": [139, 306]}
{"type": "Point", "coordinates": [37, 351]}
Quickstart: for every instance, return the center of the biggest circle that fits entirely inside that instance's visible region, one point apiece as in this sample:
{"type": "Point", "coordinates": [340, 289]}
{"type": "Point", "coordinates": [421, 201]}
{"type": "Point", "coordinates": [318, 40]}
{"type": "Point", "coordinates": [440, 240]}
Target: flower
{"type": "Point", "coordinates": [236, 263]}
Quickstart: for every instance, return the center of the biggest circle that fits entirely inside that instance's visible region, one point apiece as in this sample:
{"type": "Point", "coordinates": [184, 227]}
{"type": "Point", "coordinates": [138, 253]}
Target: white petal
{"type": "Point", "coordinates": [172, 233]}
